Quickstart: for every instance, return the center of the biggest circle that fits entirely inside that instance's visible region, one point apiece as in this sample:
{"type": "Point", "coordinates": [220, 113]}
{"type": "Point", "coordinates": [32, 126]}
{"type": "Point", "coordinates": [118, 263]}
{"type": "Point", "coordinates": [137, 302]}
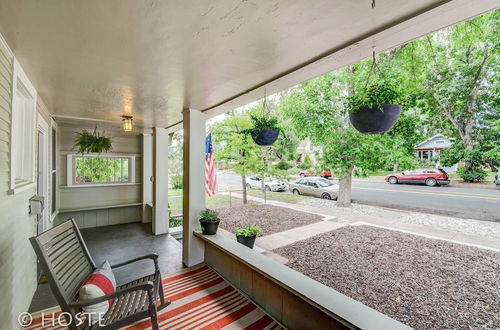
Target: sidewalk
{"type": "Point", "coordinates": [486, 237]}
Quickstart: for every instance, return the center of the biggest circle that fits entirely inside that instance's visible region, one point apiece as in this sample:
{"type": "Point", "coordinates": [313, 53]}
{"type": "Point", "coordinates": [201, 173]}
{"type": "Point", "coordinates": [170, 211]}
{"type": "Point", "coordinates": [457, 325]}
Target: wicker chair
{"type": "Point", "coordinates": [66, 262]}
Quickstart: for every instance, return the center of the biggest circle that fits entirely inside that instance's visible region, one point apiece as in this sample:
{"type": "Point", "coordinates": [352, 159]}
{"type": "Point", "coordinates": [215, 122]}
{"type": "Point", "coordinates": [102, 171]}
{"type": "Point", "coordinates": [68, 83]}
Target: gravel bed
{"type": "Point", "coordinates": [272, 219]}
{"type": "Point", "coordinates": [424, 283]}
{"type": "Point", "coordinates": [465, 226]}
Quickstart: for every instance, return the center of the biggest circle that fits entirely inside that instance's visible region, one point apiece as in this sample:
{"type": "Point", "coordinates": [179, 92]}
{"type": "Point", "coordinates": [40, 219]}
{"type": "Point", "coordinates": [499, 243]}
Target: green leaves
{"type": "Point", "coordinates": [209, 215]}
{"type": "Point", "coordinates": [248, 232]}
{"type": "Point", "coordinates": [374, 96]}
{"type": "Point", "coordinates": [96, 142]}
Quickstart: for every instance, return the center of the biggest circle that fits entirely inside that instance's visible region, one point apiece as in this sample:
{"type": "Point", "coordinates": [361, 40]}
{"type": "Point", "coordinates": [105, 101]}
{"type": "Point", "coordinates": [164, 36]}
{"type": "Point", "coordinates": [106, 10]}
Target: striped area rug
{"type": "Point", "coordinates": [201, 299]}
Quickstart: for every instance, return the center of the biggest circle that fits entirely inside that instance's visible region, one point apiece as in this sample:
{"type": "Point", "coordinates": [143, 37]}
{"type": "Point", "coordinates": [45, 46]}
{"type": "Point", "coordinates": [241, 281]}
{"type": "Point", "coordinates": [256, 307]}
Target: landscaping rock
{"type": "Point", "coordinates": [424, 283]}
{"type": "Point", "coordinates": [272, 219]}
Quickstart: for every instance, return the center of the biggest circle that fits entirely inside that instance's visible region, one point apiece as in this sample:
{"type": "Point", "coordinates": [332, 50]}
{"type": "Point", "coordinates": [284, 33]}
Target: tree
{"type": "Point", "coordinates": [314, 111]}
{"type": "Point", "coordinates": [233, 145]}
{"type": "Point", "coordinates": [175, 155]}
{"type": "Point", "coordinates": [461, 83]}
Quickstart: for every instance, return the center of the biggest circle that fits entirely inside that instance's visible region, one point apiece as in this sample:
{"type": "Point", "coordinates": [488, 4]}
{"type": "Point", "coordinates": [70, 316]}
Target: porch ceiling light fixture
{"type": "Point", "coordinates": [127, 123]}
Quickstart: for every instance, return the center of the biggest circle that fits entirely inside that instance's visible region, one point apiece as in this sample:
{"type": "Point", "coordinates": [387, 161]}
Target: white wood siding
{"type": "Point", "coordinates": [17, 259]}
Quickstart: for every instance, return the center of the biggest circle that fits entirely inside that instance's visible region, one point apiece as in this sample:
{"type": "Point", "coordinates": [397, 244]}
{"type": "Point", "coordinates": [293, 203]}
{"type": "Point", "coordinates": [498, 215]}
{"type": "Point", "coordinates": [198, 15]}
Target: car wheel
{"type": "Point", "coordinates": [431, 182]}
{"type": "Point", "coordinates": [249, 186]}
{"type": "Point", "coordinates": [296, 192]}
{"type": "Point", "coordinates": [393, 180]}
{"type": "Point", "coordinates": [326, 196]}
{"type": "Point", "coordinates": [302, 175]}
{"type": "Point", "coordinates": [268, 188]}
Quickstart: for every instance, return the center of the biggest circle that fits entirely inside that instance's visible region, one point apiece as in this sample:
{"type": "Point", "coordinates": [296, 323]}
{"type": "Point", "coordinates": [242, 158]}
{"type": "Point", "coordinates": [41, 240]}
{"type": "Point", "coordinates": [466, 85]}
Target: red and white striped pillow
{"type": "Point", "coordinates": [100, 283]}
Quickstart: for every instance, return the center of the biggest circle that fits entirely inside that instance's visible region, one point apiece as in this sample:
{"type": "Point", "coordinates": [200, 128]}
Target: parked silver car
{"type": "Point", "coordinates": [270, 184]}
{"type": "Point", "coordinates": [315, 186]}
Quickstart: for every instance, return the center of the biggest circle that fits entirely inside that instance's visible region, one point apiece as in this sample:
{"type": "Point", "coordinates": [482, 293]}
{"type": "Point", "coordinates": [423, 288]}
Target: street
{"type": "Point", "coordinates": [463, 202]}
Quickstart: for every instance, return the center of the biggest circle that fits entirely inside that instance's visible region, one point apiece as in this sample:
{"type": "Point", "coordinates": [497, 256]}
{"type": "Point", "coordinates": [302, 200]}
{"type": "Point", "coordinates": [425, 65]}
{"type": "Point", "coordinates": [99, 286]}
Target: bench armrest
{"type": "Point", "coordinates": [148, 286]}
{"type": "Point", "coordinates": [152, 256]}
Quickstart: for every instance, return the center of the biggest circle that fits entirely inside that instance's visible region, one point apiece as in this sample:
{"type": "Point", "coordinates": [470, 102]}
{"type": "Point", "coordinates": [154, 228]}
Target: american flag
{"type": "Point", "coordinates": [210, 172]}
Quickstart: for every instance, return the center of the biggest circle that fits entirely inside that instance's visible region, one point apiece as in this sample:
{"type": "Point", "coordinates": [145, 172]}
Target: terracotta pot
{"type": "Point", "coordinates": [246, 240]}
{"type": "Point", "coordinates": [375, 120]}
{"type": "Point", "coordinates": [209, 227]}
{"type": "Point", "coordinates": [266, 137]}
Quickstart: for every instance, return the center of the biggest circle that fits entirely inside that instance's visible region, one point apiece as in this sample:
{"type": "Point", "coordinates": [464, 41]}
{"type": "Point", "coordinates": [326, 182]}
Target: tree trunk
{"type": "Point", "coordinates": [244, 182]}
{"type": "Point", "coordinates": [345, 183]}
{"type": "Point", "coordinates": [395, 168]}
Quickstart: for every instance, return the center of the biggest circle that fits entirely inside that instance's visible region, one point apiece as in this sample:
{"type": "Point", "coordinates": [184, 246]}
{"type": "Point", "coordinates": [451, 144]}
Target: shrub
{"type": "Point", "coordinates": [174, 222]}
{"type": "Point", "coordinates": [471, 175]}
{"type": "Point", "coordinates": [248, 232]}
{"type": "Point", "coordinates": [209, 215]}
{"type": "Point", "coordinates": [307, 160]}
{"type": "Point", "coordinates": [282, 165]}
{"type": "Point", "coordinates": [304, 166]}
{"type": "Point", "coordinates": [177, 182]}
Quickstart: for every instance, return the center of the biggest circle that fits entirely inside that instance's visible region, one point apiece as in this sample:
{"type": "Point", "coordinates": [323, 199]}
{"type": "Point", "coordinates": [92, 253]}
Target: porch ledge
{"type": "Point", "coordinates": [338, 306]}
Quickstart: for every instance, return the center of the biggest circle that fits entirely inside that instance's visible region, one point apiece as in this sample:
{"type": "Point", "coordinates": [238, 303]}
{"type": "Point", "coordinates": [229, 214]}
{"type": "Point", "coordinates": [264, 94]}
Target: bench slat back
{"type": "Point", "coordinates": [65, 260]}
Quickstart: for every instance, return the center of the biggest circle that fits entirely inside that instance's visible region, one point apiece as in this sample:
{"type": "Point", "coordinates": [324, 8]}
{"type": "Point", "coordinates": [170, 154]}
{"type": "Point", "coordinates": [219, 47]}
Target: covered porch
{"type": "Point", "coordinates": [171, 66]}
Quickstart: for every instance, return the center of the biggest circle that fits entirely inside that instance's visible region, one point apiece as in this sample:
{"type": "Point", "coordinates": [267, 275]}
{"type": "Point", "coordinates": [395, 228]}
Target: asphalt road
{"type": "Point", "coordinates": [463, 202]}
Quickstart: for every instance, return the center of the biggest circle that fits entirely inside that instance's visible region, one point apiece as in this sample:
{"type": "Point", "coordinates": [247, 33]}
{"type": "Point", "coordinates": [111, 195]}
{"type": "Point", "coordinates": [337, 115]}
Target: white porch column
{"type": "Point", "coordinates": [194, 185]}
{"type": "Point", "coordinates": [160, 202]}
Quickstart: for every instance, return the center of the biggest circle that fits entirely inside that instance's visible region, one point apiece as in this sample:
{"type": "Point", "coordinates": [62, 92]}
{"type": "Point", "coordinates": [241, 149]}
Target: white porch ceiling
{"type": "Point", "coordinates": [99, 59]}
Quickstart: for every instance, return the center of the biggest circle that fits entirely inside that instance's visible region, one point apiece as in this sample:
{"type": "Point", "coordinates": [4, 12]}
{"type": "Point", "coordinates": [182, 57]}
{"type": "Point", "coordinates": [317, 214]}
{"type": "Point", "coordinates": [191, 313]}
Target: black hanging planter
{"type": "Point", "coordinates": [265, 137]}
{"type": "Point", "coordinates": [246, 240]}
{"type": "Point", "coordinates": [209, 227]}
{"type": "Point", "coordinates": [375, 120]}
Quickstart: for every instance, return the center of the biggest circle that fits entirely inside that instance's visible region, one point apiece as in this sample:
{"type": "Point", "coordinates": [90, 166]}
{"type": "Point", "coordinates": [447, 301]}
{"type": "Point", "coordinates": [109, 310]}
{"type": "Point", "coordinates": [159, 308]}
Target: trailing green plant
{"type": "Point", "coordinates": [249, 231]}
{"type": "Point", "coordinates": [209, 215]}
{"type": "Point", "coordinates": [374, 95]}
{"type": "Point", "coordinates": [95, 142]}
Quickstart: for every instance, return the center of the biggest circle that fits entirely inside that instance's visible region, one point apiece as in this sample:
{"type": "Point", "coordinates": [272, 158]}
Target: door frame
{"type": "Point", "coordinates": [43, 173]}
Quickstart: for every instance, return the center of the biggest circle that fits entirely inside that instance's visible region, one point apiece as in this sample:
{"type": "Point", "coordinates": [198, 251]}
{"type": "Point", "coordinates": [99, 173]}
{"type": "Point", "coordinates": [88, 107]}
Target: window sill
{"type": "Point", "coordinates": [99, 185]}
{"type": "Point", "coordinates": [22, 187]}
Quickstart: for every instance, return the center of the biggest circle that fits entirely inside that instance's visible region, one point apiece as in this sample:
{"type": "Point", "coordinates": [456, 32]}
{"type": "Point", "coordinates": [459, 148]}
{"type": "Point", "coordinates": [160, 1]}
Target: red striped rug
{"type": "Point", "coordinates": [201, 299]}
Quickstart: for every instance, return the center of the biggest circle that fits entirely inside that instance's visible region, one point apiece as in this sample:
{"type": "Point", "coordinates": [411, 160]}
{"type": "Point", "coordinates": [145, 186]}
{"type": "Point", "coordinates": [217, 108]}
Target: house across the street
{"type": "Point", "coordinates": [431, 148]}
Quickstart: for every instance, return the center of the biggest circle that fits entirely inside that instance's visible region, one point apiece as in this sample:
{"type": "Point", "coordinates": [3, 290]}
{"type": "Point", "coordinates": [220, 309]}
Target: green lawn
{"type": "Point", "coordinates": [281, 196]}
{"type": "Point", "coordinates": [216, 201]}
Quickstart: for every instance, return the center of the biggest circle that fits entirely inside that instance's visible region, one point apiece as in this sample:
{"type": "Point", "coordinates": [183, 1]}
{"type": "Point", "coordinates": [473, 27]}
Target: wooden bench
{"type": "Point", "coordinates": [67, 263]}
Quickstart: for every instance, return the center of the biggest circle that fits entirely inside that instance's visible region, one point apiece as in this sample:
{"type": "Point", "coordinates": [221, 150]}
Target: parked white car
{"type": "Point", "coordinates": [270, 184]}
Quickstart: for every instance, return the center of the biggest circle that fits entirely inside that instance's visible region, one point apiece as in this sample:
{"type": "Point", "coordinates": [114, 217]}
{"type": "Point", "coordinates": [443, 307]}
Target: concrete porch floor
{"type": "Point", "coordinates": [118, 243]}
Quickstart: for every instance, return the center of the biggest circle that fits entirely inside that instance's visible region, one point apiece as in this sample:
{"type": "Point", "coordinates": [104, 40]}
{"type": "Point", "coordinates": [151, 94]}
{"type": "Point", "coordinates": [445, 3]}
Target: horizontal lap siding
{"type": "Point", "coordinates": [5, 105]}
{"type": "Point", "coordinates": [17, 260]}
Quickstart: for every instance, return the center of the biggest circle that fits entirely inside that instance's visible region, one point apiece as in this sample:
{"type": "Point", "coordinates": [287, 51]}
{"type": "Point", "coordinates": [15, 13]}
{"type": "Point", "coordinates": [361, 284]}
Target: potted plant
{"type": "Point", "coordinates": [265, 131]}
{"type": "Point", "coordinates": [375, 110]}
{"type": "Point", "coordinates": [209, 222]}
{"type": "Point", "coordinates": [246, 236]}
{"type": "Point", "coordinates": [95, 142]}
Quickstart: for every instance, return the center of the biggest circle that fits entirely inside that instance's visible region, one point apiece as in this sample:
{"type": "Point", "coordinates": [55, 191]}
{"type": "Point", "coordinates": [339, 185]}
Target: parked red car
{"type": "Point", "coordinates": [428, 176]}
{"type": "Point", "coordinates": [324, 174]}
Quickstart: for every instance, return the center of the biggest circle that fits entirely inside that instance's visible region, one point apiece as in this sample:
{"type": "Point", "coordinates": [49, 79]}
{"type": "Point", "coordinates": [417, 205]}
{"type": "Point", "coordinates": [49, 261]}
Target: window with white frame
{"type": "Point", "coordinates": [100, 169]}
{"type": "Point", "coordinates": [23, 131]}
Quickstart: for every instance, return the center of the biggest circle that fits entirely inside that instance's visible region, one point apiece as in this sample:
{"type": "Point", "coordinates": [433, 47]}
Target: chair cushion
{"type": "Point", "coordinates": [101, 282]}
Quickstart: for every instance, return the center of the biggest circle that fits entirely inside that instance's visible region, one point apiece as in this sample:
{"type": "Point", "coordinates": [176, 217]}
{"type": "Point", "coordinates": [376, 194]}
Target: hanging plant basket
{"type": "Point", "coordinates": [87, 142]}
{"type": "Point", "coordinates": [265, 131]}
{"type": "Point", "coordinates": [375, 108]}
{"type": "Point", "coordinates": [377, 119]}
{"type": "Point", "coordinates": [265, 137]}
